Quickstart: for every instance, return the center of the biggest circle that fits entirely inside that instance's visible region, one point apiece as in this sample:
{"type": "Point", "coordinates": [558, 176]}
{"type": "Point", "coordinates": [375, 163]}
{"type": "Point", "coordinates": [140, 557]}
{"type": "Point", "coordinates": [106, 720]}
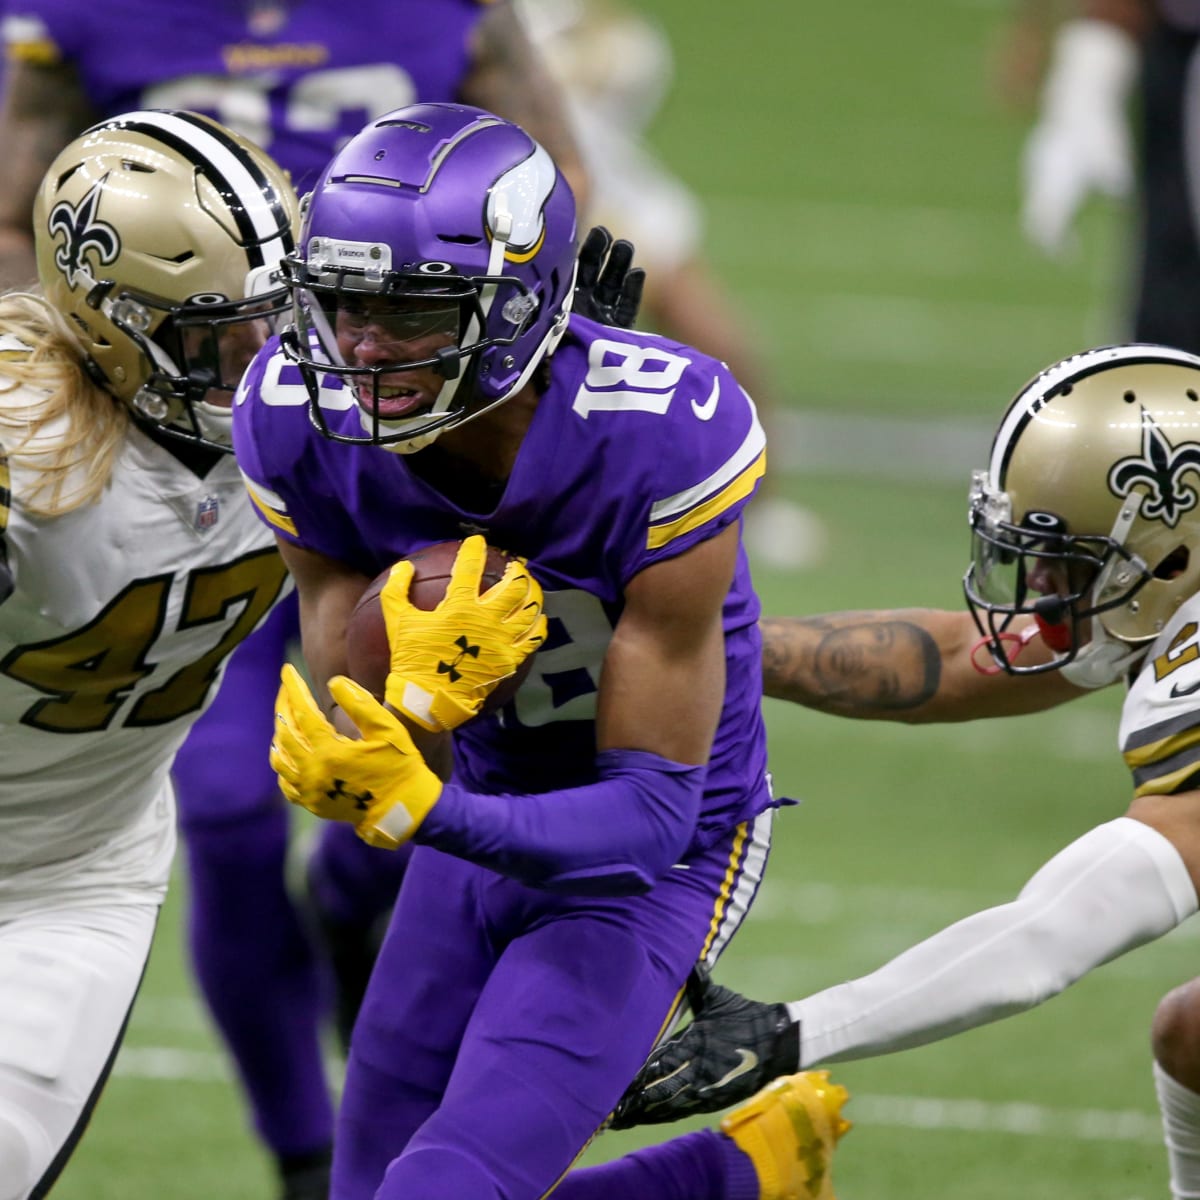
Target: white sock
{"type": "Point", "coordinates": [1181, 1131]}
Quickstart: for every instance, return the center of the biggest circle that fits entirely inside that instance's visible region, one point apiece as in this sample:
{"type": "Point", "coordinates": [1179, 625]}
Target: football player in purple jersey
{"type": "Point", "coordinates": [1085, 572]}
{"type": "Point", "coordinates": [297, 79]}
{"type": "Point", "coordinates": [605, 831]}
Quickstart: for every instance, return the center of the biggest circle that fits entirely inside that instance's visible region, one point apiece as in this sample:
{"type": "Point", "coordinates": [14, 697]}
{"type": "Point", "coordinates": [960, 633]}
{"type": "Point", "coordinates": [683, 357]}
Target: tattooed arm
{"type": "Point", "coordinates": [44, 108]}
{"type": "Point", "coordinates": [510, 79]}
{"type": "Point", "coordinates": [897, 665]}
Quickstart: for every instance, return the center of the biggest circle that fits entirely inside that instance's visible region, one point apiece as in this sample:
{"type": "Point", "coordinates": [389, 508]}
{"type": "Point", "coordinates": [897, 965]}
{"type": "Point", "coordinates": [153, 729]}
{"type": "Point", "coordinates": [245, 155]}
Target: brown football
{"type": "Point", "coordinates": [367, 653]}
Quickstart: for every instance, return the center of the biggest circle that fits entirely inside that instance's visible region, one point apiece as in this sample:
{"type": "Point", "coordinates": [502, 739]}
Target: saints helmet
{"type": "Point", "coordinates": [442, 219]}
{"type": "Point", "coordinates": [1088, 515]}
{"type": "Point", "coordinates": [158, 236]}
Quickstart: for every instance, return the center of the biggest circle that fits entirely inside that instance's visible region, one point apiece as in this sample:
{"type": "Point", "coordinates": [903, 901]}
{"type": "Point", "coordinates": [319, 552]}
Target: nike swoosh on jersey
{"type": "Point", "coordinates": [705, 411]}
{"type": "Point", "coordinates": [748, 1060]}
{"type": "Point", "coordinates": [1190, 690]}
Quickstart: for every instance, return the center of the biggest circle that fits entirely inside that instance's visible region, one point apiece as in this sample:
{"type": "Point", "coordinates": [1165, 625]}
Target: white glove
{"type": "Point", "coordinates": [1082, 141]}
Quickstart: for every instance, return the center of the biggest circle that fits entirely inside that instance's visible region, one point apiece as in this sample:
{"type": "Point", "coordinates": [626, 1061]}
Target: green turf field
{"type": "Point", "coordinates": [861, 192]}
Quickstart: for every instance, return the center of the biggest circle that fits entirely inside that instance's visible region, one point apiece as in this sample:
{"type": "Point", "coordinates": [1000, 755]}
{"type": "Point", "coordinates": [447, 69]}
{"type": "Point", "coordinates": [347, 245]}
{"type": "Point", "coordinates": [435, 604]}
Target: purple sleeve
{"type": "Point", "coordinates": [615, 837]}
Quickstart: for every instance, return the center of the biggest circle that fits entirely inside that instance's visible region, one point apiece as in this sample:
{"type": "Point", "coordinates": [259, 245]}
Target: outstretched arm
{"type": "Point", "coordinates": [1119, 886]}
{"type": "Point", "coordinates": [909, 664]}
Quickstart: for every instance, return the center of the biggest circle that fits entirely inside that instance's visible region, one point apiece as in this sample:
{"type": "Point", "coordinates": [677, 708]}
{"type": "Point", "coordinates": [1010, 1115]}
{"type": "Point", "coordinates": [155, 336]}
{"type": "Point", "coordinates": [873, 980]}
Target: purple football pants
{"type": "Point", "coordinates": [502, 1024]}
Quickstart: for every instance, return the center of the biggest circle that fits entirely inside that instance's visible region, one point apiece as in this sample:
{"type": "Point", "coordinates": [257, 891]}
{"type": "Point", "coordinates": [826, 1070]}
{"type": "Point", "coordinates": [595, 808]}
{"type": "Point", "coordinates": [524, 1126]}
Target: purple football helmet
{"type": "Point", "coordinates": [453, 230]}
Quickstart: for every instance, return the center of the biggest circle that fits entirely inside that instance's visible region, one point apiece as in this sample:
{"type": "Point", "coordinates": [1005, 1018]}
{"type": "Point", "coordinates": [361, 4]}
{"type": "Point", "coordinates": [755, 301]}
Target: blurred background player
{"type": "Point", "coordinates": [1119, 116]}
{"type": "Point", "coordinates": [130, 567]}
{"type": "Point", "coordinates": [1085, 572]}
{"type": "Point", "coordinates": [614, 65]}
{"type": "Point", "coordinates": [297, 80]}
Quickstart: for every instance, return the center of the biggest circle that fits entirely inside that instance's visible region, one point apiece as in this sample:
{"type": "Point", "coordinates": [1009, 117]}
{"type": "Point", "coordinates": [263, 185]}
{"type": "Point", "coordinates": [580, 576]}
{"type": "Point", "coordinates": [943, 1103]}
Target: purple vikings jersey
{"type": "Point", "coordinates": [297, 77]}
{"type": "Point", "coordinates": [640, 449]}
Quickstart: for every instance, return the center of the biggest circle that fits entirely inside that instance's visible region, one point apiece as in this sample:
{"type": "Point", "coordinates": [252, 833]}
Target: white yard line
{"type": "Point", "coordinates": [905, 450]}
{"type": "Point", "coordinates": [1021, 1119]}
{"type": "Point", "coordinates": [155, 1063]}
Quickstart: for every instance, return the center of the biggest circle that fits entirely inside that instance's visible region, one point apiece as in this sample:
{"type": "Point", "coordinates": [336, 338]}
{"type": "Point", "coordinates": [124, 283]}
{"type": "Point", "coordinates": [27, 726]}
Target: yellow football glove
{"type": "Point", "coordinates": [379, 783]}
{"type": "Point", "coordinates": [445, 663]}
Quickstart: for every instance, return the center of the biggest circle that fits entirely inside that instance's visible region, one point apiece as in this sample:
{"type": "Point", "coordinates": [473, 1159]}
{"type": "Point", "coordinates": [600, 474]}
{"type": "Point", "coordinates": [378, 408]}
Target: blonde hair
{"type": "Point", "coordinates": [89, 425]}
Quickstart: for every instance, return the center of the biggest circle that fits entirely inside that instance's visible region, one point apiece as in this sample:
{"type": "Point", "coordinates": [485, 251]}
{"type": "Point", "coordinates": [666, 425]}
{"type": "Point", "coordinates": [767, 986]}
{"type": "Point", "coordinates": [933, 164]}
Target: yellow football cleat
{"type": "Point", "coordinates": [789, 1130]}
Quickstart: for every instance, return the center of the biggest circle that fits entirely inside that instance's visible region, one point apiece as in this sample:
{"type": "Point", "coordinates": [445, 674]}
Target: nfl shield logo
{"type": "Point", "coordinates": [265, 17]}
{"type": "Point", "coordinates": [207, 512]}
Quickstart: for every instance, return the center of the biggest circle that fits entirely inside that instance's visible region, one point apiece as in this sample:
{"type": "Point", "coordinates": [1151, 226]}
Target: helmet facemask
{"type": "Point", "coordinates": [158, 236]}
{"type": "Point", "coordinates": [447, 236]}
{"type": "Point", "coordinates": [1037, 567]}
{"type": "Point", "coordinates": [198, 352]}
{"type": "Point", "coordinates": [440, 317]}
{"type": "Point", "coordinates": [1088, 516]}
{"type": "Point", "coordinates": [434, 323]}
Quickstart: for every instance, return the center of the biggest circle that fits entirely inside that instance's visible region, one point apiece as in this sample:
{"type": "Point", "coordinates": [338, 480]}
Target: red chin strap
{"type": "Point", "coordinates": [981, 652]}
{"type": "Point", "coordinates": [1057, 636]}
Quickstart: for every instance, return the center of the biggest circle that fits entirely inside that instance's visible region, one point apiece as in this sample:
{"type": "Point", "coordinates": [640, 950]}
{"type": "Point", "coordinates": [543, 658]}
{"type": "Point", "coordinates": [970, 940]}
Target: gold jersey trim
{"type": "Point", "coordinates": [738, 489]}
{"type": "Point", "coordinates": [272, 508]}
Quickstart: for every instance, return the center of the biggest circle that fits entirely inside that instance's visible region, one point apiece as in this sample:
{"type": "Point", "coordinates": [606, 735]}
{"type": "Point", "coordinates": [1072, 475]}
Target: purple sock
{"type": "Point", "coordinates": [696, 1166]}
{"type": "Point", "coordinates": [259, 975]}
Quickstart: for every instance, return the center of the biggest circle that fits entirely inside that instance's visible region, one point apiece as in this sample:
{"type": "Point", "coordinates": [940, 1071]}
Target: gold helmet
{"type": "Point", "coordinates": [158, 236]}
{"type": "Point", "coordinates": [1088, 516]}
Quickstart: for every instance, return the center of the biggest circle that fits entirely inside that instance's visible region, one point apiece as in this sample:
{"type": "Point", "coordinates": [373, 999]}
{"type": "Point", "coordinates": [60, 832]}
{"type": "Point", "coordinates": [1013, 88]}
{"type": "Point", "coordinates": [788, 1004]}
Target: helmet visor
{"type": "Point", "coordinates": [1039, 568]}
{"type": "Point", "coordinates": [1017, 568]}
{"type": "Point", "coordinates": [213, 344]}
{"type": "Point", "coordinates": [406, 344]}
{"type": "Point", "coordinates": [198, 352]}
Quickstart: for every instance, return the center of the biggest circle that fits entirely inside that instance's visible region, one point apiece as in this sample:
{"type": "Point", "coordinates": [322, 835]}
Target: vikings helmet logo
{"type": "Point", "coordinates": [521, 194]}
{"type": "Point", "coordinates": [82, 233]}
{"type": "Point", "coordinates": [1160, 469]}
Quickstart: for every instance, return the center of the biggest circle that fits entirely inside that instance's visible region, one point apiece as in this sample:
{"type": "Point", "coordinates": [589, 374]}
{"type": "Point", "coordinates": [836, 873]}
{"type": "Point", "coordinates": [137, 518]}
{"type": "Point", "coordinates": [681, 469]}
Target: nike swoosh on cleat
{"type": "Point", "coordinates": [1178, 691]}
{"type": "Point", "coordinates": [748, 1061]}
{"type": "Point", "coordinates": [705, 411]}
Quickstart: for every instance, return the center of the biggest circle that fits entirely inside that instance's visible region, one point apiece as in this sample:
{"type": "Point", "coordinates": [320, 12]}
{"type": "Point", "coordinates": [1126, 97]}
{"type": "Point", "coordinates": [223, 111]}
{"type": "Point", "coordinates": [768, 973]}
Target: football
{"type": "Point", "coordinates": [367, 654]}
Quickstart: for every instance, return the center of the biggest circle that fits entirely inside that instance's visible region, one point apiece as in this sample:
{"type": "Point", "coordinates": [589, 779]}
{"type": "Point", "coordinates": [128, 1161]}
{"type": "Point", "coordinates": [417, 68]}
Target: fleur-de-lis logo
{"type": "Point", "coordinates": [1160, 469]}
{"type": "Point", "coordinates": [81, 233]}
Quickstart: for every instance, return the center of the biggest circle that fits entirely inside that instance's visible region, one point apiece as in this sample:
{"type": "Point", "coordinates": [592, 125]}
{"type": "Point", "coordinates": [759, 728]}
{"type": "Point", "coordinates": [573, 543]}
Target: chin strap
{"type": "Point", "coordinates": [1102, 661]}
{"type": "Point", "coordinates": [1106, 659]}
{"type": "Point", "coordinates": [985, 663]}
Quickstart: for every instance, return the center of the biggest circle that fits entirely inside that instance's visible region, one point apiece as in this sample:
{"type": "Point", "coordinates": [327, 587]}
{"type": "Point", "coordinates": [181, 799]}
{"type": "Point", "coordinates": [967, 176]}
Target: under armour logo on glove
{"type": "Point", "coordinates": [498, 628]}
{"type": "Point", "coordinates": [465, 650]}
{"type": "Point", "coordinates": [377, 782]}
{"type": "Point", "coordinates": [360, 800]}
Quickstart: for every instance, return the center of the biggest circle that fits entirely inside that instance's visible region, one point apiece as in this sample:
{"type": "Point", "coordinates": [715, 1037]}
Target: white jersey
{"type": "Point", "coordinates": [111, 645]}
{"type": "Point", "coordinates": [1160, 723]}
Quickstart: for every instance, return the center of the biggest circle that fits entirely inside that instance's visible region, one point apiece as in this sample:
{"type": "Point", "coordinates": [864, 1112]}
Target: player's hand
{"type": "Point", "coordinates": [608, 291]}
{"type": "Point", "coordinates": [732, 1048]}
{"type": "Point", "coordinates": [445, 663]}
{"type": "Point", "coordinates": [378, 783]}
{"type": "Point", "coordinates": [1082, 142]}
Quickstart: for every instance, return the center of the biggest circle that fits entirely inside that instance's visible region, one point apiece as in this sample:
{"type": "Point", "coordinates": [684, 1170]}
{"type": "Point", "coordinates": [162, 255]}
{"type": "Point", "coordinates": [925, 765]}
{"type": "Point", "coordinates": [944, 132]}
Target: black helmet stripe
{"type": "Point", "coordinates": [256, 206]}
{"type": "Point", "coordinates": [1050, 383]}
